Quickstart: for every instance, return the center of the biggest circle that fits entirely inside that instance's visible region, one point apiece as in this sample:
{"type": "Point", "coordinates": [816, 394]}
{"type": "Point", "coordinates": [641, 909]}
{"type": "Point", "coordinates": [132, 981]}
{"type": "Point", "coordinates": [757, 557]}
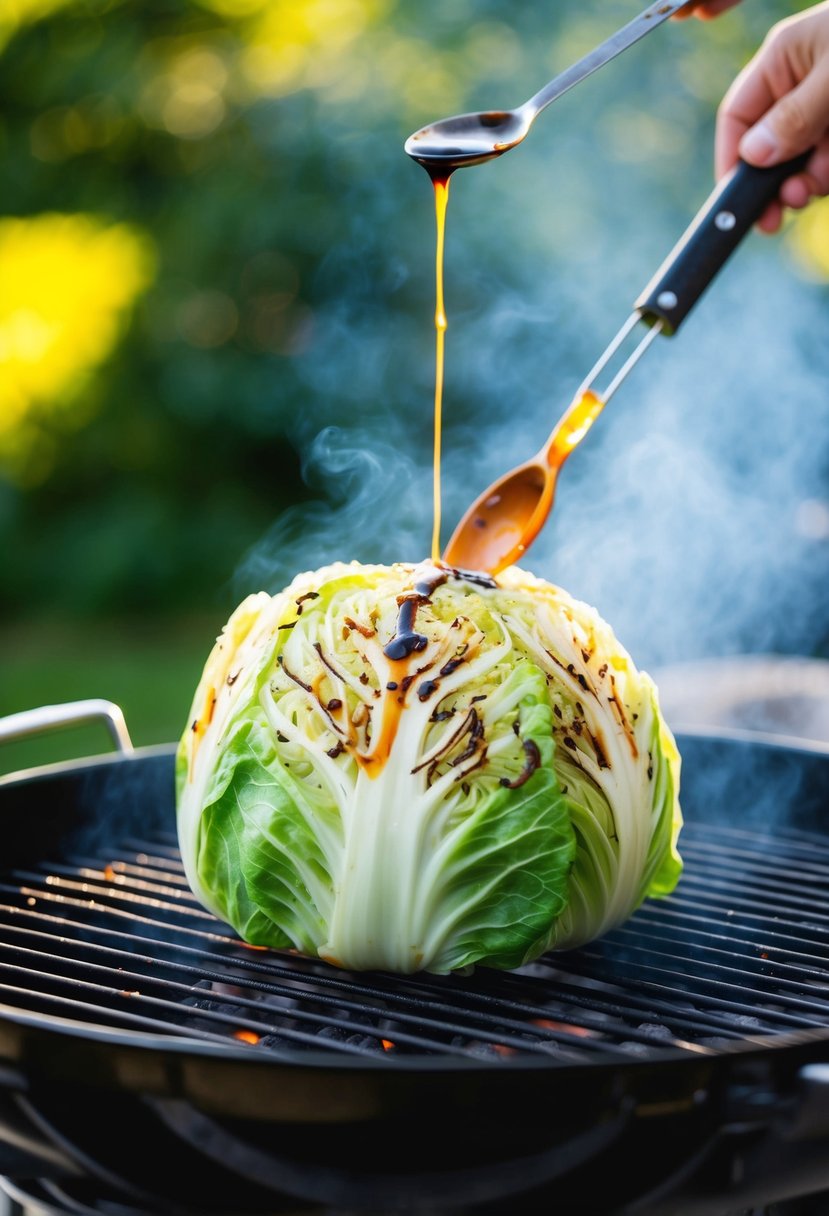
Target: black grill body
{"type": "Point", "coordinates": [150, 1062]}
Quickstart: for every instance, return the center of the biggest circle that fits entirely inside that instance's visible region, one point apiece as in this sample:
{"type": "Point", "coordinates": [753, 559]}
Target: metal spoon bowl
{"type": "Point", "coordinates": [472, 139]}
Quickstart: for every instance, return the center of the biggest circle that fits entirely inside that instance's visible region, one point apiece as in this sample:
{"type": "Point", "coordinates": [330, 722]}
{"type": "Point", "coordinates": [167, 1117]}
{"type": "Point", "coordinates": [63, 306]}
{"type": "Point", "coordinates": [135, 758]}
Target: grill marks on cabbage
{"type": "Point", "coordinates": [327, 707]}
{"type": "Point", "coordinates": [579, 726]}
{"type": "Point", "coordinates": [462, 750]}
{"type": "Point", "coordinates": [471, 728]}
{"type": "Point", "coordinates": [618, 708]}
{"type": "Point", "coordinates": [532, 760]}
{"type": "Point", "coordinates": [352, 723]}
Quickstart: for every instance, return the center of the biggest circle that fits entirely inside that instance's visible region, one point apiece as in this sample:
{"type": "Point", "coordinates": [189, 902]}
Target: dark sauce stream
{"type": "Point", "coordinates": [440, 181]}
{"type": "Point", "coordinates": [427, 579]}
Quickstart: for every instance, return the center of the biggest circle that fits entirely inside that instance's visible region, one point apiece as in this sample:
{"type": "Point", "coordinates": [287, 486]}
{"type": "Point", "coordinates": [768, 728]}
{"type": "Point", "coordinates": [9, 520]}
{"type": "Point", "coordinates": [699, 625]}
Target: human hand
{"type": "Point", "coordinates": [705, 9]}
{"type": "Point", "coordinates": [779, 106]}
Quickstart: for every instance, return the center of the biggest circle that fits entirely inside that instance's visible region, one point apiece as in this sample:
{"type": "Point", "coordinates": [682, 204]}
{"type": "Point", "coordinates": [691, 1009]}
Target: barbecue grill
{"type": "Point", "coordinates": [152, 1063]}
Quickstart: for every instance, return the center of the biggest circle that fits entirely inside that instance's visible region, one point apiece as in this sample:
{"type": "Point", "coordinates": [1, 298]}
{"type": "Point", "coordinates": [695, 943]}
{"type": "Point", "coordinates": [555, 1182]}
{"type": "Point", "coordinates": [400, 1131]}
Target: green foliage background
{"type": "Point", "coordinates": [294, 287]}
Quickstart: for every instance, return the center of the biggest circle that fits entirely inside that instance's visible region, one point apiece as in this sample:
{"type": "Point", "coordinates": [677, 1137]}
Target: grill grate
{"type": "Point", "coordinates": [739, 952]}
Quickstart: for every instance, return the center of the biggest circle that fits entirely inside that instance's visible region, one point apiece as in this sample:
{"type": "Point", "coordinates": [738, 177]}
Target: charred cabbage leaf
{"type": "Point", "coordinates": [408, 769]}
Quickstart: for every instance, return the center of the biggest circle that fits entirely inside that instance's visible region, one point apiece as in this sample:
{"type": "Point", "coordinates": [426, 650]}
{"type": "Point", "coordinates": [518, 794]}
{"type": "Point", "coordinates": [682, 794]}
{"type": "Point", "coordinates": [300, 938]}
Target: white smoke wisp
{"type": "Point", "coordinates": [687, 515]}
{"type": "Point", "coordinates": [691, 514]}
{"type": "Point", "coordinates": [681, 516]}
{"type": "Point", "coordinates": [375, 506]}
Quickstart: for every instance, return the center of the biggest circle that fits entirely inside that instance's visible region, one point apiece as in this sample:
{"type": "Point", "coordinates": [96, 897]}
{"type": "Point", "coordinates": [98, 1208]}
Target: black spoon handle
{"type": "Point", "coordinates": [732, 209]}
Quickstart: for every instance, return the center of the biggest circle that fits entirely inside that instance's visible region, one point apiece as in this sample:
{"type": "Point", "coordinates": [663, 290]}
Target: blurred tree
{"type": "Point", "coordinates": [215, 249]}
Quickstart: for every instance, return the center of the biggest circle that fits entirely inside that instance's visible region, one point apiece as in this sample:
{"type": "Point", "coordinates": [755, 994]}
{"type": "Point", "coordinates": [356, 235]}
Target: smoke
{"type": "Point", "coordinates": [694, 516]}
{"type": "Point", "coordinates": [375, 505]}
{"type": "Point", "coordinates": [686, 516]}
{"type": "Point", "coordinates": [689, 515]}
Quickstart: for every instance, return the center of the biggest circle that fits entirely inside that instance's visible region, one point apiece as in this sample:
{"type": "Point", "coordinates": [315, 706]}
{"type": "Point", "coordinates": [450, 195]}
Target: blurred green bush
{"type": "Point", "coordinates": [212, 247]}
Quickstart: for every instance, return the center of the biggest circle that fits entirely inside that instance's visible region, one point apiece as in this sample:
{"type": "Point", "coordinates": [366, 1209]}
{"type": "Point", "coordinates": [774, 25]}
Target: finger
{"type": "Point", "coordinates": [793, 124]}
{"type": "Point", "coordinates": [812, 183]}
{"type": "Point", "coordinates": [749, 98]}
{"type": "Point", "coordinates": [817, 170]}
{"type": "Point", "coordinates": [705, 10]}
{"type": "Point", "coordinates": [796, 192]}
{"type": "Point", "coordinates": [771, 219]}
{"type": "Point", "coordinates": [714, 7]}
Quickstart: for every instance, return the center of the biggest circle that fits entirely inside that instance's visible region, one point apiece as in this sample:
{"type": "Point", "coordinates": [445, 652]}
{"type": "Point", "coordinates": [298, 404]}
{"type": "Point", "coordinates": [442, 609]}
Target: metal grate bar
{"type": "Point", "coordinates": [631, 1030]}
{"type": "Point", "coordinates": [707, 928]}
{"type": "Point", "coordinates": [21, 997]}
{"type": "Point", "coordinates": [642, 956]}
{"type": "Point", "coordinates": [792, 868]}
{"type": "Point", "coordinates": [716, 890]}
{"type": "Point", "coordinates": [738, 953]}
{"type": "Point", "coordinates": [752, 970]}
{"type": "Point", "coordinates": [417, 1011]}
{"type": "Point", "coordinates": [510, 1032]}
{"type": "Point", "coordinates": [791, 840]}
{"type": "Point", "coordinates": [718, 1016]}
{"type": "Point", "coordinates": [157, 1023]}
{"type": "Point", "coordinates": [175, 906]}
{"type": "Point", "coordinates": [734, 907]}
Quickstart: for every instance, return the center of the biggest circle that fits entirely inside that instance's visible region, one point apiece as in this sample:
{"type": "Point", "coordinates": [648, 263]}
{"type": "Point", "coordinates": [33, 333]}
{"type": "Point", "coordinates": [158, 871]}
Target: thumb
{"type": "Point", "coordinates": [793, 124]}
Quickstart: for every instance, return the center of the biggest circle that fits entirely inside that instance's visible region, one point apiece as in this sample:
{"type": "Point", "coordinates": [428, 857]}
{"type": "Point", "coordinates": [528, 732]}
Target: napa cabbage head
{"type": "Point", "coordinates": [392, 767]}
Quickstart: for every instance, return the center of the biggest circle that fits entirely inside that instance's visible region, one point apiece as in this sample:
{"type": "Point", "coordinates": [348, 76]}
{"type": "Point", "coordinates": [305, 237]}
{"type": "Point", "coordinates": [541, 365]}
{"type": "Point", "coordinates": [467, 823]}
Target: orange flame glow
{"type": "Point", "coordinates": [580, 1031]}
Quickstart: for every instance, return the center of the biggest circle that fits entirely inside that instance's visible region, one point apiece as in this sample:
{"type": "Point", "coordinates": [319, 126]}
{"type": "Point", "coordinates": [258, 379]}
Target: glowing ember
{"type": "Point", "coordinates": [387, 1044]}
{"type": "Point", "coordinates": [246, 1036]}
{"type": "Point", "coordinates": [581, 1031]}
{"type": "Point", "coordinates": [109, 873]}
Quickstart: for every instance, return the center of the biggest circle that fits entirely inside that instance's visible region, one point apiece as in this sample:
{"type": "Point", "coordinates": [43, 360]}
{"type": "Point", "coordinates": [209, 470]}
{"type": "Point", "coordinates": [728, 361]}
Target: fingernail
{"type": "Point", "coordinates": [759, 145]}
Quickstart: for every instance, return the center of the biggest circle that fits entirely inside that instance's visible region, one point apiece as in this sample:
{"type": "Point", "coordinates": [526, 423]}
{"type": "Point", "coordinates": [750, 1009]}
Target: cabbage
{"type": "Point", "coordinates": [410, 768]}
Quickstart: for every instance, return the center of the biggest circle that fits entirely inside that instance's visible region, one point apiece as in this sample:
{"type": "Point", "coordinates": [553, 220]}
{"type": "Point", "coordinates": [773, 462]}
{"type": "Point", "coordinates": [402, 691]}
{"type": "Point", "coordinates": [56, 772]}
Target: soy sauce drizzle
{"type": "Point", "coordinates": [440, 181]}
{"type": "Point", "coordinates": [406, 639]}
{"type": "Point", "coordinates": [440, 170]}
{"type": "Point", "coordinates": [427, 579]}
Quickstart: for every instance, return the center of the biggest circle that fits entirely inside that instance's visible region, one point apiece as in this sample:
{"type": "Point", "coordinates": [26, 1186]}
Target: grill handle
{"type": "Point", "coordinates": [736, 203]}
{"type": "Point", "coordinates": [71, 713]}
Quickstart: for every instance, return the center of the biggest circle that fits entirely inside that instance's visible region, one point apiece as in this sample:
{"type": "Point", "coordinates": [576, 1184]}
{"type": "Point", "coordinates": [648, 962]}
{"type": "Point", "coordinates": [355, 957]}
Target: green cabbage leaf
{"type": "Point", "coordinates": [502, 786]}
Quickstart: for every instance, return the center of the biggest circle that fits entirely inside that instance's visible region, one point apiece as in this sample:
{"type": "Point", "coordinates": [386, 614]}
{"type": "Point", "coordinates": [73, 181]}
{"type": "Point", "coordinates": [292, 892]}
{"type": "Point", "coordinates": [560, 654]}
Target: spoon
{"type": "Point", "coordinates": [504, 521]}
{"type": "Point", "coordinates": [472, 139]}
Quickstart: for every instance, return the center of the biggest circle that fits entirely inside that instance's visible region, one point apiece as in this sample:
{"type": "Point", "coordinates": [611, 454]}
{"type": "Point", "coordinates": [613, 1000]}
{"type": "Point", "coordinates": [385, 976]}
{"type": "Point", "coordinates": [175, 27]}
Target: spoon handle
{"type": "Point", "coordinates": [654, 15]}
{"type": "Point", "coordinates": [648, 20]}
{"type": "Point", "coordinates": [734, 206]}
